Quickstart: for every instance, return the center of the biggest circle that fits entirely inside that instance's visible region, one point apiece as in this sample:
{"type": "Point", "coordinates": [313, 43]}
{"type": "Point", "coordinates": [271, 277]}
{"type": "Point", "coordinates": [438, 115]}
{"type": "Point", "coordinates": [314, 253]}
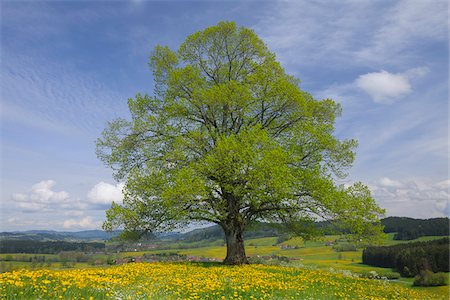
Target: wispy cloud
{"type": "Point", "coordinates": [37, 92]}
{"type": "Point", "coordinates": [67, 68]}
{"type": "Point", "coordinates": [395, 39]}
{"type": "Point", "coordinates": [335, 33]}
{"type": "Point", "coordinates": [291, 29]}
{"type": "Point", "coordinates": [415, 197]}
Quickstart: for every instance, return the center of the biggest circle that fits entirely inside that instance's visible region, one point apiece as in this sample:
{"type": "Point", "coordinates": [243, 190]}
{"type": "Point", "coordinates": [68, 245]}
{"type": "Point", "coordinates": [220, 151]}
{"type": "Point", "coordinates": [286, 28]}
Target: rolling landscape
{"type": "Point", "coordinates": [332, 262]}
{"type": "Point", "coordinates": [230, 150]}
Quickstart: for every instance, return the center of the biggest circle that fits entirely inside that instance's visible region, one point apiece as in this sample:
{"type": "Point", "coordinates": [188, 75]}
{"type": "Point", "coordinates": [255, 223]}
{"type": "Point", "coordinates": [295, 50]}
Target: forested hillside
{"type": "Point", "coordinates": [50, 235]}
{"type": "Point", "coordinates": [409, 228]}
{"type": "Point", "coordinates": [48, 247]}
{"type": "Point", "coordinates": [405, 229]}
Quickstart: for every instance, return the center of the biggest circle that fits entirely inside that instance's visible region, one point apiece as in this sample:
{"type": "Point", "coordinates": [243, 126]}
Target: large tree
{"type": "Point", "coordinates": [230, 138]}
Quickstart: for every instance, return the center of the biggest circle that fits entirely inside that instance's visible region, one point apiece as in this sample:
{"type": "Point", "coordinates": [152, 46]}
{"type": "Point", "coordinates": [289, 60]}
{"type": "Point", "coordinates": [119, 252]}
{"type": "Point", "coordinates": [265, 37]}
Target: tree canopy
{"type": "Point", "coordinates": [229, 138]}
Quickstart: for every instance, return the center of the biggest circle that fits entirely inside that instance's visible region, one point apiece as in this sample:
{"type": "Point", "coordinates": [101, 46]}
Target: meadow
{"type": "Point", "coordinates": [317, 254]}
{"type": "Point", "coordinates": [197, 281]}
{"type": "Point", "coordinates": [314, 271]}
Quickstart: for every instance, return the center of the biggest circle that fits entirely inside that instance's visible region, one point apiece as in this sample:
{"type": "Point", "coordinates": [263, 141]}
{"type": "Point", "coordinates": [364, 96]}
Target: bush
{"type": "Point", "coordinates": [428, 278]}
{"type": "Point", "coordinates": [282, 238]}
{"type": "Point", "coordinates": [344, 247]}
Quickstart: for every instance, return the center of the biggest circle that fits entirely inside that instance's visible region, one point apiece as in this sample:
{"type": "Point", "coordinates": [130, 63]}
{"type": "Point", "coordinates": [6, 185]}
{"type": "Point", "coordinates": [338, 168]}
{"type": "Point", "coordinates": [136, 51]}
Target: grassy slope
{"type": "Point", "coordinates": [310, 253]}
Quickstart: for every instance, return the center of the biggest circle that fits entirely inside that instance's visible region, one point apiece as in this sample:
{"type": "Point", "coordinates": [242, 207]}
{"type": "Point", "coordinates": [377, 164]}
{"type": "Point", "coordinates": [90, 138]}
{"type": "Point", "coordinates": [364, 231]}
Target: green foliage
{"type": "Point", "coordinates": [345, 247]}
{"type": "Point", "coordinates": [230, 138]}
{"type": "Point", "coordinates": [428, 278]}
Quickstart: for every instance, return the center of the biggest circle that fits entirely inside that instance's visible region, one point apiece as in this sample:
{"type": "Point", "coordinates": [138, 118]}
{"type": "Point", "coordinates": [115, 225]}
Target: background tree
{"type": "Point", "coordinates": [230, 138]}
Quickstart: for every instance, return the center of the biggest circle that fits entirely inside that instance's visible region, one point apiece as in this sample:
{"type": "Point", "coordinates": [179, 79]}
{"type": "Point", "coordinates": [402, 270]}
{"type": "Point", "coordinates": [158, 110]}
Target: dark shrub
{"type": "Point", "coordinates": [344, 247]}
{"type": "Point", "coordinates": [428, 278]}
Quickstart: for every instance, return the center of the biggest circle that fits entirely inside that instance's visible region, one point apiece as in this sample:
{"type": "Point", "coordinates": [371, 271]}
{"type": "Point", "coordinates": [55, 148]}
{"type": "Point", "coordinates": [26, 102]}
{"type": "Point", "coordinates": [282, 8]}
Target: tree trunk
{"type": "Point", "coordinates": [235, 245]}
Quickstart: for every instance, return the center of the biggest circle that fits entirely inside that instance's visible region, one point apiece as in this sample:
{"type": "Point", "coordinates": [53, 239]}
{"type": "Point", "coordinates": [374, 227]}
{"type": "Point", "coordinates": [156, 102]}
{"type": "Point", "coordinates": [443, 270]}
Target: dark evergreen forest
{"type": "Point", "coordinates": [48, 247]}
{"type": "Point", "coordinates": [410, 258]}
{"type": "Point", "coordinates": [410, 229]}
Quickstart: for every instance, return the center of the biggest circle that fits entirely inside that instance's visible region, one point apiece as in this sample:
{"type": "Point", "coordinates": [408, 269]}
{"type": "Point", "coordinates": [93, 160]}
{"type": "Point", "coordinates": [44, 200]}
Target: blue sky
{"type": "Point", "coordinates": [67, 67]}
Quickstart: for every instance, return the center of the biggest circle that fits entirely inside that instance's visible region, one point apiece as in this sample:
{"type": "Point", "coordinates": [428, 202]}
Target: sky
{"type": "Point", "coordinates": [68, 67]}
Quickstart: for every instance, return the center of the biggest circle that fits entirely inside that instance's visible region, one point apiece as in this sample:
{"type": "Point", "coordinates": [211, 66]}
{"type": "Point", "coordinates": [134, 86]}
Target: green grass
{"type": "Point", "coordinates": [306, 253]}
{"type": "Point", "coordinates": [8, 266]}
{"type": "Point", "coordinates": [198, 281]}
{"type": "Point", "coordinates": [315, 254]}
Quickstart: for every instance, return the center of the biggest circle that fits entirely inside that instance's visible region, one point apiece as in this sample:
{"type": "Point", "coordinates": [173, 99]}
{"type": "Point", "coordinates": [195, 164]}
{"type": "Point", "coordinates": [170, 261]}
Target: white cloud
{"type": "Point", "coordinates": [43, 197]}
{"type": "Point", "coordinates": [386, 182]}
{"type": "Point", "coordinates": [84, 223]}
{"type": "Point", "coordinates": [384, 87]}
{"type": "Point", "coordinates": [104, 193]}
{"type": "Point", "coordinates": [414, 198]}
{"type": "Point", "coordinates": [42, 192]}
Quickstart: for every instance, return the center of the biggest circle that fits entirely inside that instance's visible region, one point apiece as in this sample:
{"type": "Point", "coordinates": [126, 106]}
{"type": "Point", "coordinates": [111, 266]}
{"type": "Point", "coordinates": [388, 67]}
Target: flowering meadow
{"type": "Point", "coordinates": [196, 281]}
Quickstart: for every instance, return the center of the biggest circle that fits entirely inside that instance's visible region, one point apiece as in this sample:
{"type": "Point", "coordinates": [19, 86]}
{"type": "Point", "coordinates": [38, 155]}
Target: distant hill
{"type": "Point", "coordinates": [50, 235]}
{"type": "Point", "coordinates": [409, 228]}
{"type": "Point", "coordinates": [48, 247]}
{"type": "Point", "coordinates": [215, 232]}
{"type": "Point", "coordinates": [405, 229]}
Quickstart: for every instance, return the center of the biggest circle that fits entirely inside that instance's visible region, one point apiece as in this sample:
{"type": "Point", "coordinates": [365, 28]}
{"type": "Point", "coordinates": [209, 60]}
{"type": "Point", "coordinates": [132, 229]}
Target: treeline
{"type": "Point", "coordinates": [405, 229]}
{"type": "Point", "coordinates": [409, 229]}
{"type": "Point", "coordinates": [260, 230]}
{"type": "Point", "coordinates": [212, 233]}
{"type": "Point", "coordinates": [410, 258]}
{"type": "Point", "coordinates": [47, 247]}
{"type": "Point", "coordinates": [50, 235]}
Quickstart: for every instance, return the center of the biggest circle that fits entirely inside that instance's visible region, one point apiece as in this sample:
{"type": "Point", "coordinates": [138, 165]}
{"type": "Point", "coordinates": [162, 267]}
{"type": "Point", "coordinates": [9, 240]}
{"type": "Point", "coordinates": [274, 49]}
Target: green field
{"type": "Point", "coordinates": [312, 255]}
{"type": "Point", "coordinates": [199, 281]}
